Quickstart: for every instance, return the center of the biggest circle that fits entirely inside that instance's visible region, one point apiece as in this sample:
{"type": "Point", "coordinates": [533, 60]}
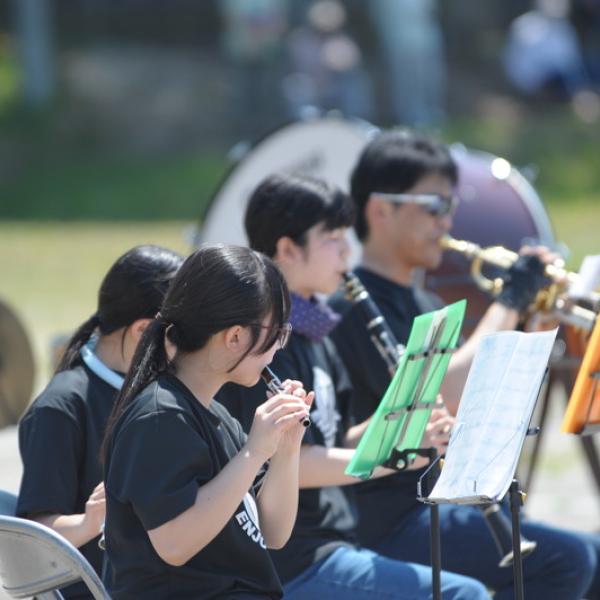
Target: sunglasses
{"type": "Point", "coordinates": [435, 205]}
{"type": "Point", "coordinates": [283, 332]}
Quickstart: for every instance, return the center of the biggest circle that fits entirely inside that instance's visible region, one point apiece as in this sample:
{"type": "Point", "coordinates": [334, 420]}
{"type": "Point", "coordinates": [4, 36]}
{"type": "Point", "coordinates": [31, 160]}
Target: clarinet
{"type": "Point", "coordinates": [381, 335]}
{"type": "Point", "coordinates": [275, 386]}
{"type": "Point", "coordinates": [391, 351]}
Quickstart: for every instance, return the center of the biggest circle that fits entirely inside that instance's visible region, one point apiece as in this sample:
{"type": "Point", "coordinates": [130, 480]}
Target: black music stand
{"type": "Point", "coordinates": [479, 470]}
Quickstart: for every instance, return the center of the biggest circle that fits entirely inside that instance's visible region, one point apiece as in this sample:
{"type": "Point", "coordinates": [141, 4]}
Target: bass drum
{"type": "Point", "coordinates": [16, 367]}
{"type": "Point", "coordinates": [498, 207]}
{"type": "Point", "coordinates": [322, 147]}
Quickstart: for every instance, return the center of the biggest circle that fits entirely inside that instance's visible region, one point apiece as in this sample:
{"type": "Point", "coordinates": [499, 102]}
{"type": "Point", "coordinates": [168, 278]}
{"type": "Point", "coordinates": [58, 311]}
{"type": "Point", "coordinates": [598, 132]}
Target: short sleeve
{"type": "Point", "coordinates": [51, 446]}
{"type": "Point", "coordinates": [157, 464]}
{"type": "Point", "coordinates": [242, 402]}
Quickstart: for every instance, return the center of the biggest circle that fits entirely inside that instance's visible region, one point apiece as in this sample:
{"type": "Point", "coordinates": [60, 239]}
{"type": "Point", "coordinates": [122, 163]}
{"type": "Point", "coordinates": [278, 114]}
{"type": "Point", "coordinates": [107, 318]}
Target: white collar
{"type": "Point", "coordinates": [97, 367]}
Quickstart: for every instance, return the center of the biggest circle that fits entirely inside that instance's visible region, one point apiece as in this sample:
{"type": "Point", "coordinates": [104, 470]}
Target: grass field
{"type": "Point", "coordinates": [51, 271]}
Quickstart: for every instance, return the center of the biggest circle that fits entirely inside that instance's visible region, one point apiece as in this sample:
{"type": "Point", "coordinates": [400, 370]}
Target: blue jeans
{"type": "Point", "coordinates": [593, 540]}
{"type": "Point", "coordinates": [359, 574]}
{"type": "Point", "coordinates": [562, 566]}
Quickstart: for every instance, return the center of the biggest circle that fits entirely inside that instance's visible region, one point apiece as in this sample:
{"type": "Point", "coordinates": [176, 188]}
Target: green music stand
{"type": "Point", "coordinates": [394, 435]}
{"type": "Point", "coordinates": [396, 429]}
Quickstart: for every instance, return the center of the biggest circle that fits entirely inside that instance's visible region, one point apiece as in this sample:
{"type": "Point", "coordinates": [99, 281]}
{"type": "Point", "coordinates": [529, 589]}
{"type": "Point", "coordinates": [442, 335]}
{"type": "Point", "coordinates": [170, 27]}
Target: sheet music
{"type": "Point", "coordinates": [589, 277]}
{"type": "Point", "coordinates": [493, 416]}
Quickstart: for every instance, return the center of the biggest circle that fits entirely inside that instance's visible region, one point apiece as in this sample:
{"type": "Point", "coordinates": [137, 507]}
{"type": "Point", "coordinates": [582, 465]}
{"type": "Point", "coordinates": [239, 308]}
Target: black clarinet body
{"type": "Point", "coordinates": [381, 335]}
{"type": "Point", "coordinates": [391, 351]}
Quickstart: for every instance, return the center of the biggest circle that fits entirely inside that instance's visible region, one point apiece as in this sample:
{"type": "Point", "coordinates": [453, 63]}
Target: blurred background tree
{"type": "Point", "coordinates": [127, 108]}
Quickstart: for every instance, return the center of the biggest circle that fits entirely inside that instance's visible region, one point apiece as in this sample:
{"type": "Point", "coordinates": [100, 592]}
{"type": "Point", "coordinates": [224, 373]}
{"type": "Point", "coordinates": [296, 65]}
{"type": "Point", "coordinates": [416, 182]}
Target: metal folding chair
{"type": "Point", "coordinates": [37, 561]}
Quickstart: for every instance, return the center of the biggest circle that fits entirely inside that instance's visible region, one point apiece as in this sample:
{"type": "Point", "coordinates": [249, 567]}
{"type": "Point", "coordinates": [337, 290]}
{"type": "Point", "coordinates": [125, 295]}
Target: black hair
{"type": "Point", "coordinates": [132, 289]}
{"type": "Point", "coordinates": [217, 287]}
{"type": "Point", "coordinates": [394, 162]}
{"type": "Point", "coordinates": [289, 205]}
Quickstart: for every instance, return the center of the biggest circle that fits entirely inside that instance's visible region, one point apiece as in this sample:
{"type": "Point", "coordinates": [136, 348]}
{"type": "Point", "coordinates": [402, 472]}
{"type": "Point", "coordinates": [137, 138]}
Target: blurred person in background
{"type": "Point", "coordinates": [326, 65]}
{"type": "Point", "coordinates": [413, 52]}
{"type": "Point", "coordinates": [253, 32]}
{"type": "Point", "coordinates": [61, 432]}
{"type": "Point", "coordinates": [585, 15]}
{"type": "Point", "coordinates": [542, 52]}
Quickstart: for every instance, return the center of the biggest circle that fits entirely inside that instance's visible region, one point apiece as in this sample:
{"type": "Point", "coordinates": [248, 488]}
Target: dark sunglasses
{"type": "Point", "coordinates": [283, 332]}
{"type": "Point", "coordinates": [436, 205]}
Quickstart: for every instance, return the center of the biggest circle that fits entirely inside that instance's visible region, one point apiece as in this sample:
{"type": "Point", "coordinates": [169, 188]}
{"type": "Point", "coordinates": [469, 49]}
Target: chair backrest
{"type": "Point", "coordinates": [8, 503]}
{"type": "Point", "coordinates": [34, 560]}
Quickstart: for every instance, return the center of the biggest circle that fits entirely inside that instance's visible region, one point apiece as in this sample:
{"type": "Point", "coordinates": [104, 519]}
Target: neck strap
{"type": "Point", "coordinates": [96, 366]}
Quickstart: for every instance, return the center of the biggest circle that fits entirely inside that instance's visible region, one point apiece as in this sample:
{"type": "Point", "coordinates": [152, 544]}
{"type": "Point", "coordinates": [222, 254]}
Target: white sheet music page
{"type": "Point", "coordinates": [493, 417]}
{"type": "Point", "coordinates": [589, 277]}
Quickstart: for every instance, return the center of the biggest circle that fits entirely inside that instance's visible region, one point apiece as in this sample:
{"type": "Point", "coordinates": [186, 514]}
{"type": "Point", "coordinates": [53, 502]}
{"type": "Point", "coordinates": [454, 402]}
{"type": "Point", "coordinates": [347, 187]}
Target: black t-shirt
{"type": "Point", "coordinates": [326, 516]}
{"type": "Point", "coordinates": [381, 502]}
{"type": "Point", "coordinates": [164, 447]}
{"type": "Point", "coordinates": [59, 440]}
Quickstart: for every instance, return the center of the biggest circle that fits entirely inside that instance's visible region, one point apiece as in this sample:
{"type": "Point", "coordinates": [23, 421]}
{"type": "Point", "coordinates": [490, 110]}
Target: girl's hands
{"type": "Point", "coordinates": [95, 510]}
{"type": "Point", "coordinates": [292, 437]}
{"type": "Point", "coordinates": [279, 417]}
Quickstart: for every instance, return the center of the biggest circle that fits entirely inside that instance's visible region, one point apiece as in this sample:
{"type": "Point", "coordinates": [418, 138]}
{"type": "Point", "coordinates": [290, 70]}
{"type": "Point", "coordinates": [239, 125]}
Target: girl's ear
{"type": "Point", "coordinates": [138, 327]}
{"type": "Point", "coordinates": [235, 338]}
{"type": "Point", "coordinates": [286, 250]}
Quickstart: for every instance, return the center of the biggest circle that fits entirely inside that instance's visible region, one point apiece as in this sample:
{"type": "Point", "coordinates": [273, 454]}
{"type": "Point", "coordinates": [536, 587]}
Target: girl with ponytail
{"type": "Point", "coordinates": [191, 503]}
{"type": "Point", "coordinates": [61, 433]}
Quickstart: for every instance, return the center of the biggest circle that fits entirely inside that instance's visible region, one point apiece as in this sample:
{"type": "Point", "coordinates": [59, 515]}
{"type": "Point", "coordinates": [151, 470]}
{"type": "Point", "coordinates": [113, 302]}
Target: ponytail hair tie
{"type": "Point", "coordinates": [158, 317]}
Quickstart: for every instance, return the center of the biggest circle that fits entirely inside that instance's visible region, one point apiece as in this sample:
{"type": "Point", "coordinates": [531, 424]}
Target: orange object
{"type": "Point", "coordinates": [584, 404]}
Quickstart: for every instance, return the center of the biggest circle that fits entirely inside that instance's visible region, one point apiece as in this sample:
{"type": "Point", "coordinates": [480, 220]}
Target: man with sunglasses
{"type": "Point", "coordinates": [403, 188]}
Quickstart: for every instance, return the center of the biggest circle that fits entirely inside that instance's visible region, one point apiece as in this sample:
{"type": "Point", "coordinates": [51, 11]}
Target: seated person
{"type": "Point", "coordinates": [301, 223]}
{"type": "Point", "coordinates": [402, 188]}
{"type": "Point", "coordinates": [190, 508]}
{"type": "Point", "coordinates": [61, 432]}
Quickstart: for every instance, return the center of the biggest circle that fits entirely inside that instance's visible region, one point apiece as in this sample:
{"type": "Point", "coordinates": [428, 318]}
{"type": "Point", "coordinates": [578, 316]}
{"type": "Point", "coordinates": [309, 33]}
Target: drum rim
{"type": "Point", "coordinates": [334, 117]}
{"type": "Point", "coordinates": [522, 187]}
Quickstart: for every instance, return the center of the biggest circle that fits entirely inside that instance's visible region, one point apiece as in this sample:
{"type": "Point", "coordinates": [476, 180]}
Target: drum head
{"type": "Point", "coordinates": [16, 367]}
{"type": "Point", "coordinates": [326, 148]}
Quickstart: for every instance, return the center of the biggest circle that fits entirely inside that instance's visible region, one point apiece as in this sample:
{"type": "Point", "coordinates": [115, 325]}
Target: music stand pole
{"type": "Point", "coordinates": [434, 525]}
{"type": "Point", "coordinates": [436, 553]}
{"type": "Point", "coordinates": [516, 501]}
